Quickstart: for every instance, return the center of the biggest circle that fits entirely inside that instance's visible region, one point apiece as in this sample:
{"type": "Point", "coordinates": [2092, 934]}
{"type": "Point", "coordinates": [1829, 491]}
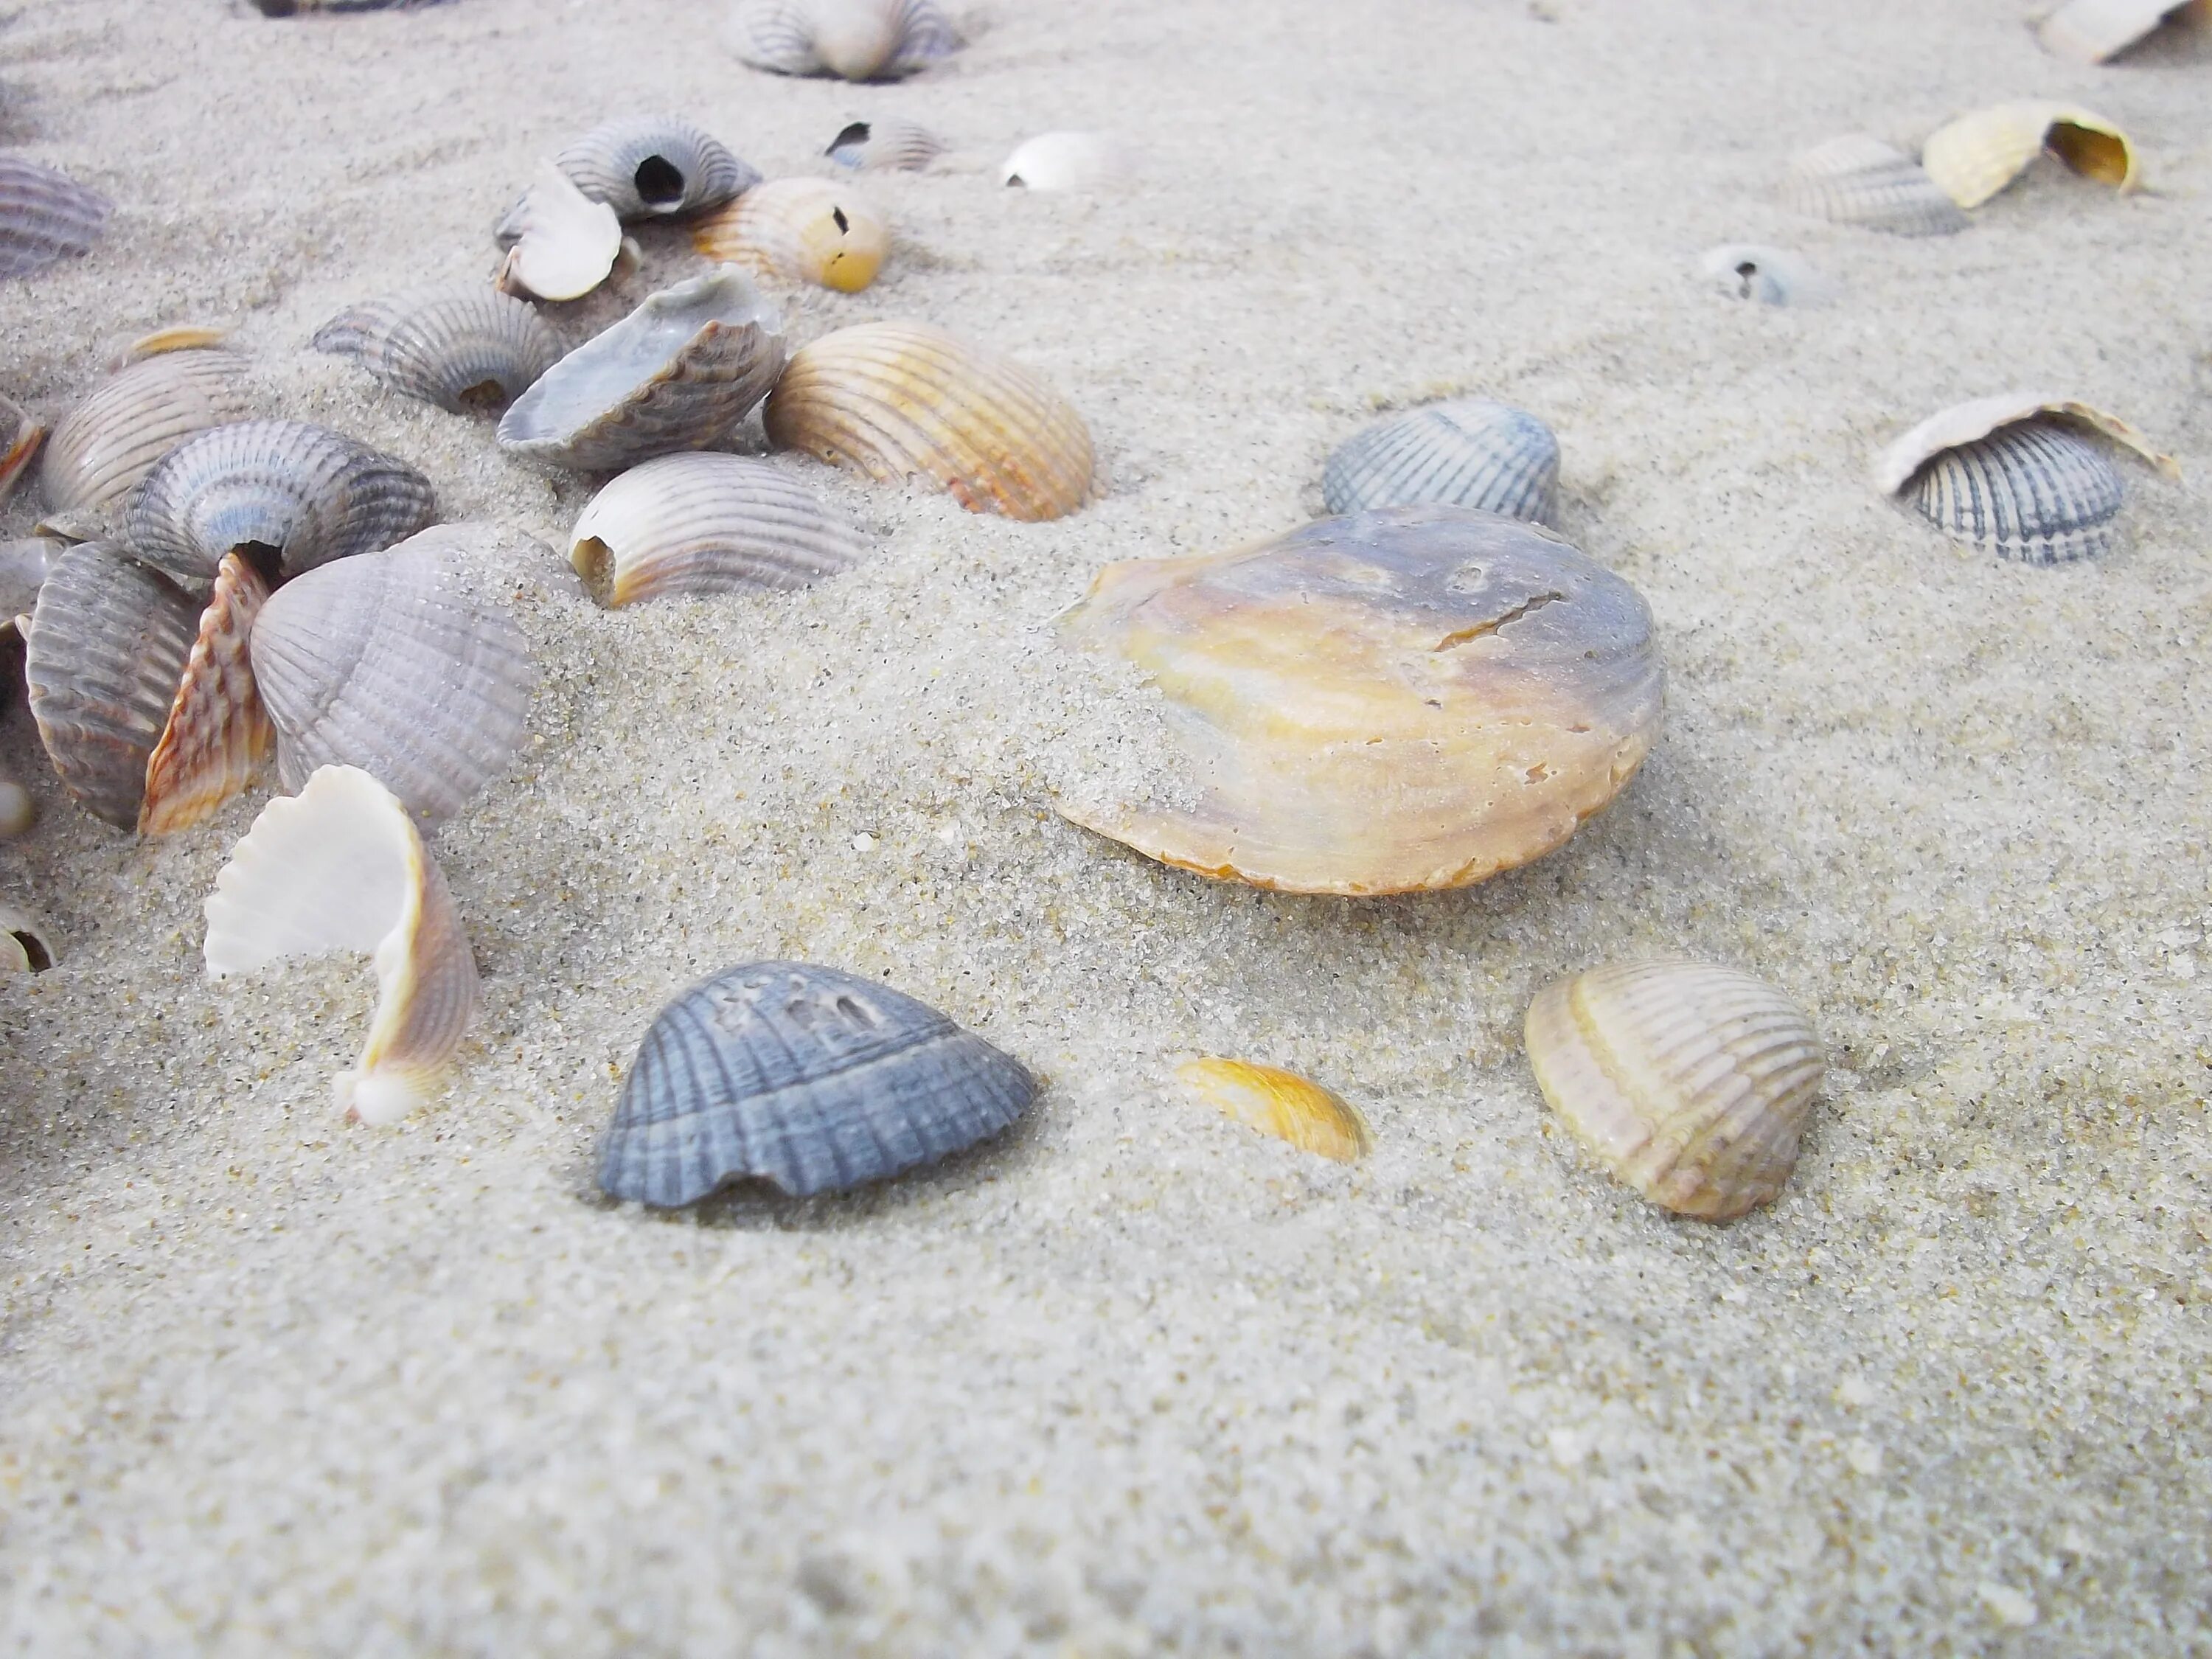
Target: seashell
{"type": "Point", "coordinates": [26, 944]}
{"type": "Point", "coordinates": [2091, 31]}
{"type": "Point", "coordinates": [1771, 275]}
{"type": "Point", "coordinates": [707, 524]}
{"type": "Point", "coordinates": [1470, 452]}
{"type": "Point", "coordinates": [1067, 161]}
{"type": "Point", "coordinates": [340, 867]}
{"type": "Point", "coordinates": [889, 146]}
{"type": "Point", "coordinates": [18, 810]}
{"type": "Point", "coordinates": [1859, 180]}
{"type": "Point", "coordinates": [218, 735]}
{"type": "Point", "coordinates": [1280, 1104]}
{"type": "Point", "coordinates": [903, 399]}
{"type": "Point", "coordinates": [465, 349]}
{"type": "Point", "coordinates": [389, 662]}
{"type": "Point", "coordinates": [678, 372]}
{"type": "Point", "coordinates": [654, 166]}
{"type": "Point", "coordinates": [179, 337]}
{"type": "Point", "coordinates": [854, 39]}
{"type": "Point", "coordinates": [807, 230]}
{"type": "Point", "coordinates": [20, 438]}
{"type": "Point", "coordinates": [1396, 702]}
{"type": "Point", "coordinates": [1974, 157]}
{"type": "Point", "coordinates": [284, 493]}
{"type": "Point", "coordinates": [1689, 1082]}
{"type": "Point", "coordinates": [804, 1076]}
{"type": "Point", "coordinates": [111, 440]}
{"type": "Point", "coordinates": [43, 215]}
{"type": "Point", "coordinates": [560, 243]}
{"type": "Point", "coordinates": [24, 567]}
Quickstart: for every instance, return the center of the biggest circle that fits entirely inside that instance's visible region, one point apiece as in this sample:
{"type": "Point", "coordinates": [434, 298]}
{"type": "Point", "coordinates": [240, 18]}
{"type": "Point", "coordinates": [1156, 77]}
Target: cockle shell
{"type": "Point", "coordinates": [560, 243]}
{"type": "Point", "coordinates": [655, 167]}
{"type": "Point", "coordinates": [900, 400]}
{"type": "Point", "coordinates": [1691, 1082]}
{"type": "Point", "coordinates": [885, 146]}
{"type": "Point", "coordinates": [21, 435]}
{"type": "Point", "coordinates": [43, 215]}
{"type": "Point", "coordinates": [1067, 161]}
{"type": "Point", "coordinates": [1281, 1104]}
{"type": "Point", "coordinates": [1974, 157]}
{"type": "Point", "coordinates": [1771, 275]}
{"type": "Point", "coordinates": [218, 734]}
{"type": "Point", "coordinates": [855, 39]}
{"type": "Point", "coordinates": [111, 440]}
{"type": "Point", "coordinates": [340, 867]}
{"type": "Point", "coordinates": [461, 348]}
{"type": "Point", "coordinates": [708, 524]}
{"type": "Point", "coordinates": [1859, 180]}
{"type": "Point", "coordinates": [176, 337]}
{"type": "Point", "coordinates": [1469, 453]}
{"type": "Point", "coordinates": [678, 372]}
{"type": "Point", "coordinates": [2091, 31]}
{"type": "Point", "coordinates": [810, 1079]}
{"type": "Point", "coordinates": [807, 230]}
{"type": "Point", "coordinates": [286, 494]}
{"type": "Point", "coordinates": [1394, 702]}
{"type": "Point", "coordinates": [27, 943]}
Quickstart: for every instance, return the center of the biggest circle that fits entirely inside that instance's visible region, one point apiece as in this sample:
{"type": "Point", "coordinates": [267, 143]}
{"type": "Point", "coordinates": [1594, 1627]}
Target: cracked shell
{"type": "Point", "coordinates": [465, 349]}
{"type": "Point", "coordinates": [126, 423]}
{"type": "Point", "coordinates": [854, 40]}
{"type": "Point", "coordinates": [804, 230]}
{"type": "Point", "coordinates": [885, 146]}
{"type": "Point", "coordinates": [1469, 453]}
{"type": "Point", "coordinates": [1859, 180]}
{"type": "Point", "coordinates": [1280, 1104]}
{"type": "Point", "coordinates": [655, 167]}
{"type": "Point", "coordinates": [2091, 31]}
{"type": "Point", "coordinates": [1974, 157]}
{"type": "Point", "coordinates": [45, 215]}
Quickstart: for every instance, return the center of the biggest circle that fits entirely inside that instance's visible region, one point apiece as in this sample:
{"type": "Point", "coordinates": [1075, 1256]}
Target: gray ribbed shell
{"type": "Point", "coordinates": [655, 167]}
{"type": "Point", "coordinates": [2033, 491]}
{"type": "Point", "coordinates": [127, 422]}
{"type": "Point", "coordinates": [466, 348]}
{"type": "Point", "coordinates": [781, 36]}
{"type": "Point", "coordinates": [1859, 180]}
{"type": "Point", "coordinates": [805, 1076]}
{"type": "Point", "coordinates": [1472, 453]}
{"type": "Point", "coordinates": [889, 146]}
{"type": "Point", "coordinates": [713, 524]}
{"type": "Point", "coordinates": [44, 214]}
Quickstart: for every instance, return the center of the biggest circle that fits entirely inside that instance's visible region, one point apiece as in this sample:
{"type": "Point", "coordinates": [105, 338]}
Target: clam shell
{"type": "Point", "coordinates": [803, 230]}
{"type": "Point", "coordinates": [708, 524]}
{"type": "Point", "coordinates": [654, 166]}
{"type": "Point", "coordinates": [560, 243]}
{"type": "Point", "coordinates": [1974, 157]}
{"type": "Point", "coordinates": [218, 735]}
{"type": "Point", "coordinates": [20, 437]}
{"type": "Point", "coordinates": [810, 1079]}
{"type": "Point", "coordinates": [1410, 699]}
{"type": "Point", "coordinates": [341, 867]}
{"type": "Point", "coordinates": [463, 348]}
{"type": "Point", "coordinates": [43, 215]}
{"type": "Point", "coordinates": [1280, 1104]}
{"type": "Point", "coordinates": [678, 372]}
{"type": "Point", "coordinates": [389, 662]}
{"type": "Point", "coordinates": [854, 39]}
{"type": "Point", "coordinates": [885, 146]}
{"type": "Point", "coordinates": [2091, 31]}
{"type": "Point", "coordinates": [1067, 161]}
{"type": "Point", "coordinates": [903, 399]}
{"type": "Point", "coordinates": [289, 495]}
{"type": "Point", "coordinates": [1771, 276]}
{"type": "Point", "coordinates": [27, 943]}
{"type": "Point", "coordinates": [111, 440]}
{"type": "Point", "coordinates": [1859, 180]}
{"type": "Point", "coordinates": [1471, 452]}
{"type": "Point", "coordinates": [1691, 1082]}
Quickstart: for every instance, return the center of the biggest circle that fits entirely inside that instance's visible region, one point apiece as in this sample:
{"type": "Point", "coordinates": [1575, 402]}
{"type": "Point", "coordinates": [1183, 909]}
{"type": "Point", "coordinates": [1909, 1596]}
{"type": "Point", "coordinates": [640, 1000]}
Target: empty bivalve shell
{"type": "Point", "coordinates": [1974, 157]}
{"type": "Point", "coordinates": [462, 348]}
{"type": "Point", "coordinates": [854, 39]}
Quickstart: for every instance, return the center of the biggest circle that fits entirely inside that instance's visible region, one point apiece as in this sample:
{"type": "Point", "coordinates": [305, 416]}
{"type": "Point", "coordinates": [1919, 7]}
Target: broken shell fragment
{"type": "Point", "coordinates": [463, 348]}
{"type": "Point", "coordinates": [805, 230]}
{"type": "Point", "coordinates": [1280, 1104]}
{"type": "Point", "coordinates": [854, 40]}
{"type": "Point", "coordinates": [2091, 31]}
{"type": "Point", "coordinates": [1859, 180]}
{"type": "Point", "coordinates": [809, 1078]}
{"type": "Point", "coordinates": [886, 146]}
{"type": "Point", "coordinates": [26, 944]}
{"type": "Point", "coordinates": [561, 243]}
{"type": "Point", "coordinates": [111, 440]}
{"type": "Point", "coordinates": [1067, 161]}
{"type": "Point", "coordinates": [45, 215]}
{"type": "Point", "coordinates": [20, 438]}
{"type": "Point", "coordinates": [177, 337]}
{"type": "Point", "coordinates": [1469, 453]}
{"type": "Point", "coordinates": [340, 867]}
{"type": "Point", "coordinates": [218, 735]}
{"type": "Point", "coordinates": [1396, 702]}
{"type": "Point", "coordinates": [654, 166]}
{"type": "Point", "coordinates": [1691, 1082]}
{"type": "Point", "coordinates": [1974, 157]}
{"type": "Point", "coordinates": [899, 400]}
{"type": "Point", "coordinates": [1771, 276]}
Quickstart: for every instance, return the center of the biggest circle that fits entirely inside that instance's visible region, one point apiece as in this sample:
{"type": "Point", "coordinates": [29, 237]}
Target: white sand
{"type": "Point", "coordinates": [1134, 1379]}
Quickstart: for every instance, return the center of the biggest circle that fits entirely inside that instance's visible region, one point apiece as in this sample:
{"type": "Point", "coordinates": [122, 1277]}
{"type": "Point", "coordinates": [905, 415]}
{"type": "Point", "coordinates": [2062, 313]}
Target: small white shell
{"type": "Point", "coordinates": [127, 422]}
{"type": "Point", "coordinates": [855, 39]}
{"type": "Point", "coordinates": [1068, 161]}
{"type": "Point", "coordinates": [885, 146]}
{"type": "Point", "coordinates": [1771, 275]}
{"type": "Point", "coordinates": [462, 348]}
{"type": "Point", "coordinates": [564, 243]}
{"type": "Point", "coordinates": [1859, 180]}
{"type": "Point", "coordinates": [2091, 31]}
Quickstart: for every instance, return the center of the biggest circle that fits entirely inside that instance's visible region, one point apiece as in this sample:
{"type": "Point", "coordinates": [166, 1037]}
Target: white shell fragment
{"type": "Point", "coordinates": [1067, 161]}
{"type": "Point", "coordinates": [1769, 276]}
{"type": "Point", "coordinates": [655, 167]}
{"type": "Point", "coordinates": [854, 40]}
{"type": "Point", "coordinates": [1472, 452]}
{"type": "Point", "coordinates": [340, 867]}
{"type": "Point", "coordinates": [2091, 31]}
{"type": "Point", "coordinates": [1857, 179]}
{"type": "Point", "coordinates": [1976, 155]}
{"type": "Point", "coordinates": [564, 243]}
{"type": "Point", "coordinates": [890, 145]}
{"type": "Point", "coordinates": [462, 348]}
{"type": "Point", "coordinates": [45, 215]}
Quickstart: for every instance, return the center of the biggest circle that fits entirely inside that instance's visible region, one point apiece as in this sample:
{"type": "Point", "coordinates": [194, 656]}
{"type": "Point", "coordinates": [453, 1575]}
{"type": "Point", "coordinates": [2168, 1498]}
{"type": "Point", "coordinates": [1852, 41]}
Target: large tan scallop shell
{"type": "Point", "coordinates": [1280, 1104]}
{"type": "Point", "coordinates": [340, 867]}
{"type": "Point", "coordinates": [561, 244]}
{"type": "Point", "coordinates": [1691, 1082]}
{"type": "Point", "coordinates": [462, 348]}
{"type": "Point", "coordinates": [2091, 31]}
{"type": "Point", "coordinates": [1398, 701]}
{"type": "Point", "coordinates": [111, 440]}
{"type": "Point", "coordinates": [854, 39]}
{"type": "Point", "coordinates": [1857, 179]}
{"type": "Point", "coordinates": [43, 215]}
{"type": "Point", "coordinates": [901, 400]}
{"type": "Point", "coordinates": [1974, 157]}
{"type": "Point", "coordinates": [218, 734]}
{"type": "Point", "coordinates": [21, 435]}
{"type": "Point", "coordinates": [803, 230]}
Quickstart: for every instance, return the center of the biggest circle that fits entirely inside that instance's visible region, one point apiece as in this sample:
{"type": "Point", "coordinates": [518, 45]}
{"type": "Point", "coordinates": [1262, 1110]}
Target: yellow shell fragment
{"type": "Point", "coordinates": [1280, 1104]}
{"type": "Point", "coordinates": [1974, 157]}
{"type": "Point", "coordinates": [806, 230]}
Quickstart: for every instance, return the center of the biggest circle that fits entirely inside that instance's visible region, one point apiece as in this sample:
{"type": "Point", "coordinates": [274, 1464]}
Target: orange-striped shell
{"type": "Point", "coordinates": [1281, 1104]}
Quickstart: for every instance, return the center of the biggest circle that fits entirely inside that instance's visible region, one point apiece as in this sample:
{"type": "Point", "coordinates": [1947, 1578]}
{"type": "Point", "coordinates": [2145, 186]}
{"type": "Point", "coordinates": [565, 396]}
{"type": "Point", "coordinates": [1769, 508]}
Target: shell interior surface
{"type": "Point", "coordinates": [853, 40]}
{"type": "Point", "coordinates": [2091, 31]}
{"type": "Point", "coordinates": [111, 440]}
{"type": "Point", "coordinates": [218, 734]}
{"type": "Point", "coordinates": [21, 435]}
{"type": "Point", "coordinates": [1857, 179]}
{"type": "Point", "coordinates": [1974, 157]}
{"type": "Point", "coordinates": [1066, 160]}
{"type": "Point", "coordinates": [655, 167]}
{"type": "Point", "coordinates": [1690, 1082]}
{"type": "Point", "coordinates": [28, 946]}
{"type": "Point", "coordinates": [809, 1078]}
{"type": "Point", "coordinates": [45, 215]}
{"type": "Point", "coordinates": [1769, 276]}
{"type": "Point", "coordinates": [560, 243]}
{"type": "Point", "coordinates": [1469, 453]}
{"type": "Point", "coordinates": [898, 400]}
{"type": "Point", "coordinates": [885, 146]}
{"type": "Point", "coordinates": [1400, 701]}
{"type": "Point", "coordinates": [678, 372]}
{"type": "Point", "coordinates": [1280, 1104]}
{"type": "Point", "coordinates": [2034, 491]}
{"type": "Point", "coordinates": [807, 230]}
{"type": "Point", "coordinates": [1962, 423]}
{"type": "Point", "coordinates": [466, 349]}
{"type": "Point", "coordinates": [340, 867]}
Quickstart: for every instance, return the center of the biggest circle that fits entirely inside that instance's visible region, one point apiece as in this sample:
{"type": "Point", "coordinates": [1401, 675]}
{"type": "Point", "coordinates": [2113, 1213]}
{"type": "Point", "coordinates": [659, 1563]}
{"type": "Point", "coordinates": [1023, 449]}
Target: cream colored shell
{"type": "Point", "coordinates": [1964, 423]}
{"type": "Point", "coordinates": [804, 230]}
{"type": "Point", "coordinates": [1974, 157]}
{"type": "Point", "coordinates": [2091, 31]}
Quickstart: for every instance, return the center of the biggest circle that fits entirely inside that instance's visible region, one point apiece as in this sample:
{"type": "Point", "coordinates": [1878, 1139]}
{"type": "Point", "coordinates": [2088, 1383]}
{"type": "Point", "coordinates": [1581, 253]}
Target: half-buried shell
{"type": "Point", "coordinates": [1974, 157]}
{"type": "Point", "coordinates": [803, 230]}
{"type": "Point", "coordinates": [111, 440]}
{"type": "Point", "coordinates": [465, 349]}
{"type": "Point", "coordinates": [45, 215]}
{"type": "Point", "coordinates": [1771, 276]}
{"type": "Point", "coordinates": [21, 435]}
{"type": "Point", "coordinates": [655, 167]}
{"type": "Point", "coordinates": [1470, 452]}
{"type": "Point", "coordinates": [854, 39]}
{"type": "Point", "coordinates": [560, 243]}
{"type": "Point", "coordinates": [1067, 161]}
{"type": "Point", "coordinates": [1280, 1104]}
{"type": "Point", "coordinates": [1857, 179]}
{"type": "Point", "coordinates": [2091, 31]}
{"type": "Point", "coordinates": [886, 146]}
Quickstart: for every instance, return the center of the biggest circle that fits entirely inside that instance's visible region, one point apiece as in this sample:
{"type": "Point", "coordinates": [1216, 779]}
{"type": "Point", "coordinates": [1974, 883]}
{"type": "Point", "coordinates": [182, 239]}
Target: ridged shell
{"type": "Point", "coordinates": [654, 166]}
{"type": "Point", "coordinates": [708, 524]}
{"type": "Point", "coordinates": [28, 946]}
{"type": "Point", "coordinates": [1962, 423]}
{"type": "Point", "coordinates": [21, 435]}
{"type": "Point", "coordinates": [218, 734]}
{"type": "Point", "coordinates": [290, 495]}
{"type": "Point", "coordinates": [1974, 157]}
{"type": "Point", "coordinates": [2035, 492]}
{"type": "Point", "coordinates": [1771, 276]}
{"type": "Point", "coordinates": [1280, 1104]}
{"type": "Point", "coordinates": [1067, 161]}
{"type": "Point", "coordinates": [855, 39]}
{"type": "Point", "coordinates": [111, 440]}
{"type": "Point", "coordinates": [678, 372]}
{"type": "Point", "coordinates": [43, 215]}
{"type": "Point", "coordinates": [2091, 31]}
{"type": "Point", "coordinates": [389, 662]}
{"type": "Point", "coordinates": [469, 349]}
{"type": "Point", "coordinates": [340, 867]}
{"type": "Point", "coordinates": [885, 146]}
{"type": "Point", "coordinates": [1395, 701]}
{"type": "Point", "coordinates": [1471, 452]}
{"type": "Point", "coordinates": [810, 1079]}
{"type": "Point", "coordinates": [899, 400]}
{"type": "Point", "coordinates": [560, 243]}
{"type": "Point", "coordinates": [1691, 1082]}
{"type": "Point", "coordinates": [177, 336]}
{"type": "Point", "coordinates": [1859, 180]}
{"type": "Point", "coordinates": [803, 230]}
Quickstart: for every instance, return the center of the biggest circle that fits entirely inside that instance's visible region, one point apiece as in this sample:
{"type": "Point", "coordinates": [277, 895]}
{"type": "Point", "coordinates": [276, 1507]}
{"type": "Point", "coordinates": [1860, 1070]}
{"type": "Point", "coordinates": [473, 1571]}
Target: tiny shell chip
{"type": "Point", "coordinates": [707, 524]}
{"type": "Point", "coordinates": [804, 230]}
{"type": "Point", "coordinates": [1471, 452]}
{"type": "Point", "coordinates": [885, 146]}
{"type": "Point", "coordinates": [20, 438]}
{"type": "Point", "coordinates": [1689, 1082]}
{"type": "Point", "coordinates": [1771, 276]}
{"type": "Point", "coordinates": [1859, 180]}
{"type": "Point", "coordinates": [44, 216]}
{"type": "Point", "coordinates": [561, 244]}
{"type": "Point", "coordinates": [111, 440]}
{"type": "Point", "coordinates": [340, 867]}
{"type": "Point", "coordinates": [2091, 31]}
{"type": "Point", "coordinates": [1974, 157]}
{"type": "Point", "coordinates": [1067, 161]}
{"type": "Point", "coordinates": [1396, 702]}
{"type": "Point", "coordinates": [654, 166]}
{"type": "Point", "coordinates": [1281, 1104]}
{"type": "Point", "coordinates": [465, 349]}
{"type": "Point", "coordinates": [809, 1078]}
{"type": "Point", "coordinates": [854, 40]}
{"type": "Point", "coordinates": [898, 400]}
{"type": "Point", "coordinates": [218, 734]}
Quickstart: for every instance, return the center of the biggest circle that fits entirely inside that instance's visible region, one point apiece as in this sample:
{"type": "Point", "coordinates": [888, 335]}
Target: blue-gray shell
{"type": "Point", "coordinates": [809, 1078]}
{"type": "Point", "coordinates": [1472, 453]}
{"type": "Point", "coordinates": [2035, 491]}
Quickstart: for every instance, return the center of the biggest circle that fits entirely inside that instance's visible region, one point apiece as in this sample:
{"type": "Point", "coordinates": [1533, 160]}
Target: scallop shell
{"type": "Point", "coordinates": [20, 438]}
{"type": "Point", "coordinates": [678, 372]}
{"type": "Point", "coordinates": [1974, 157]}
{"type": "Point", "coordinates": [1067, 161]}
{"type": "Point", "coordinates": [810, 1079]}
{"type": "Point", "coordinates": [26, 944]}
{"type": "Point", "coordinates": [389, 662]}
{"type": "Point", "coordinates": [903, 399]}
{"type": "Point", "coordinates": [655, 167]}
{"type": "Point", "coordinates": [111, 440]}
{"type": "Point", "coordinates": [885, 146]}
{"type": "Point", "coordinates": [218, 735]}
{"type": "Point", "coordinates": [708, 524]}
{"type": "Point", "coordinates": [340, 867]}
{"type": "Point", "coordinates": [1281, 1104]}
{"type": "Point", "coordinates": [289, 495]}
{"type": "Point", "coordinates": [1691, 1082]}
{"type": "Point", "coordinates": [1771, 275]}
{"type": "Point", "coordinates": [1859, 180]}
{"type": "Point", "coordinates": [1395, 701]}
{"type": "Point", "coordinates": [805, 230]}
{"type": "Point", "coordinates": [855, 39]}
{"type": "Point", "coordinates": [561, 244]}
{"type": "Point", "coordinates": [1471, 452]}
{"type": "Point", "coordinates": [465, 349]}
{"type": "Point", "coordinates": [43, 215]}
{"type": "Point", "coordinates": [2091, 31]}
